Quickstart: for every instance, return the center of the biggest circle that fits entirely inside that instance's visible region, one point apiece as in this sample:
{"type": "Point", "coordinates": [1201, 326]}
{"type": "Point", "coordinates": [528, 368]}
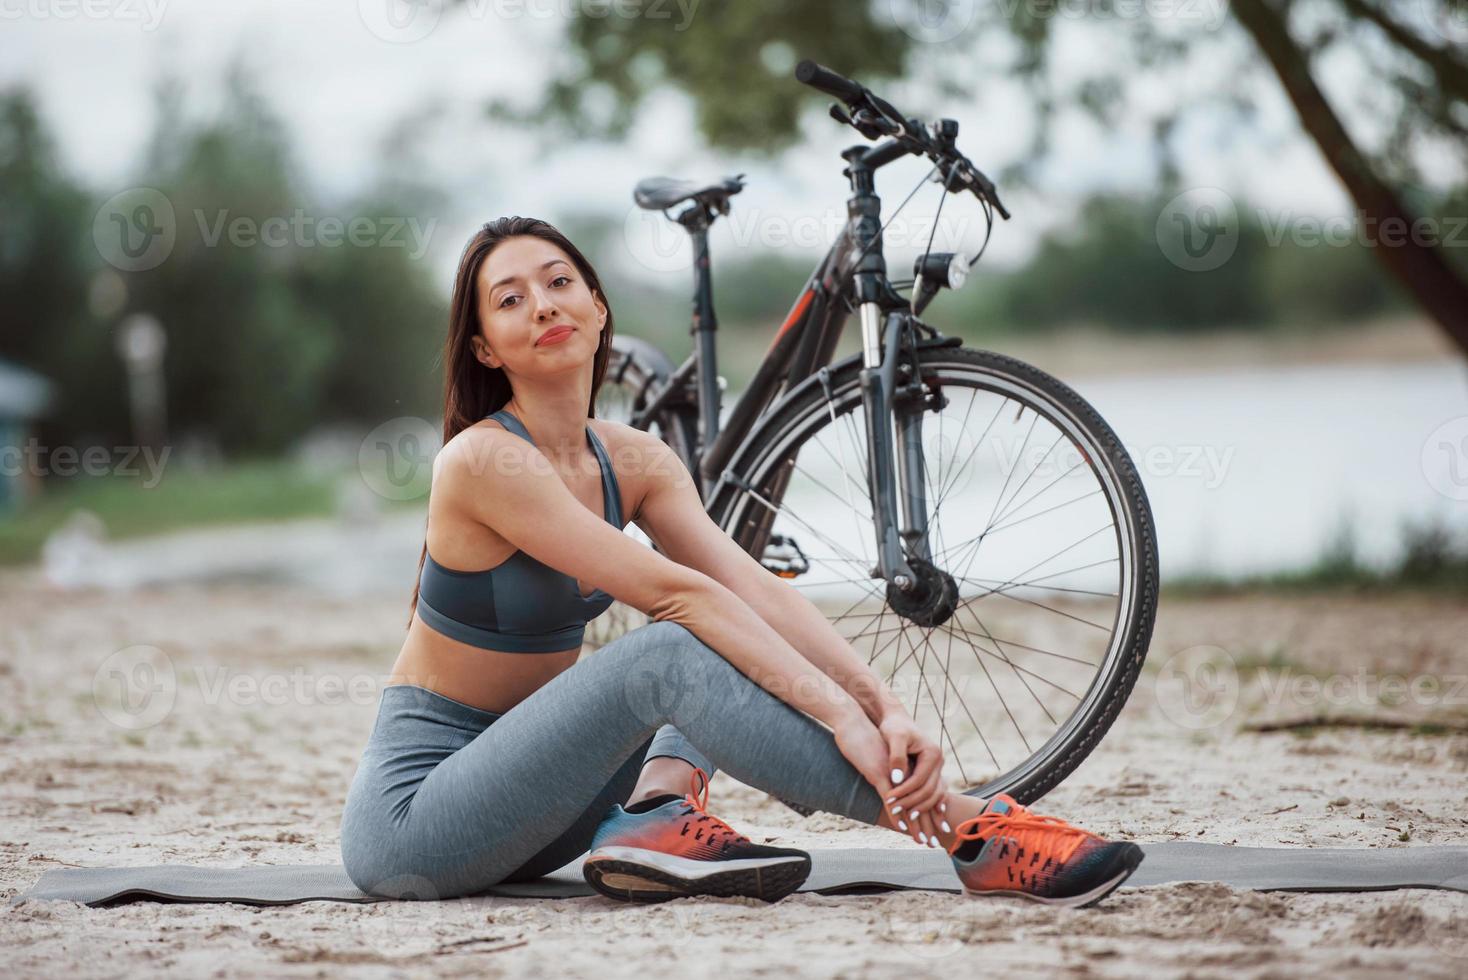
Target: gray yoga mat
{"type": "Point", "coordinates": [833, 871]}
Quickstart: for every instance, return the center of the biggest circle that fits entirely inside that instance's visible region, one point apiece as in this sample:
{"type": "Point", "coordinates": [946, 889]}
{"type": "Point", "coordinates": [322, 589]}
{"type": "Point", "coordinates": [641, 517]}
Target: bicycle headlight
{"type": "Point", "coordinates": [946, 269]}
{"type": "Point", "coordinates": [957, 271]}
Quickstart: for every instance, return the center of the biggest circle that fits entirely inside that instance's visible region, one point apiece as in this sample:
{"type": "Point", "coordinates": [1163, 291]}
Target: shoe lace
{"type": "Point", "coordinates": [697, 802]}
{"type": "Point", "coordinates": [1038, 833]}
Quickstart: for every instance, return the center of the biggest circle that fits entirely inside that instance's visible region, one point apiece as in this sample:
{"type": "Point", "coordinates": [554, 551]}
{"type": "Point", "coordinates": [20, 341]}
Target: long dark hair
{"type": "Point", "coordinates": [471, 390]}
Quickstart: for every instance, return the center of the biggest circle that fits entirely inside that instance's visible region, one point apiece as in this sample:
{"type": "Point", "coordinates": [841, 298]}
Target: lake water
{"type": "Point", "coordinates": [1247, 471]}
{"type": "Point", "coordinates": [1254, 471]}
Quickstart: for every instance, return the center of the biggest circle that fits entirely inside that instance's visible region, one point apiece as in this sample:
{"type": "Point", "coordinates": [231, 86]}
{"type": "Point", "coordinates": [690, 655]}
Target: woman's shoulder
{"type": "Point", "coordinates": [633, 450]}
{"type": "Point", "coordinates": [470, 452]}
{"type": "Point", "coordinates": [616, 435]}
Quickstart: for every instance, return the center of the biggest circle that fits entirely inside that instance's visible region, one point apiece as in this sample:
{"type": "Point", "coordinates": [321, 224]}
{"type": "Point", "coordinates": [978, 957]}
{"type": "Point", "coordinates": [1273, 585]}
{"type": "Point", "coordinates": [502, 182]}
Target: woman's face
{"type": "Point", "coordinates": [537, 315]}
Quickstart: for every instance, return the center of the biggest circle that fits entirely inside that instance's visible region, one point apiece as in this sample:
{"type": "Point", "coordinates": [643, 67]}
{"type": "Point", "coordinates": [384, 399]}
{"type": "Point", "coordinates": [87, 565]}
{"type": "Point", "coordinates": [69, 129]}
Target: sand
{"type": "Point", "coordinates": [274, 693]}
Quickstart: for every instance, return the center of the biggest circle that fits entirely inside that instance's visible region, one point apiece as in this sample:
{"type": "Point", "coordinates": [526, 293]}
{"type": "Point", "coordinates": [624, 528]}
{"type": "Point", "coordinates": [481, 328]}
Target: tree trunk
{"type": "Point", "coordinates": [1419, 266]}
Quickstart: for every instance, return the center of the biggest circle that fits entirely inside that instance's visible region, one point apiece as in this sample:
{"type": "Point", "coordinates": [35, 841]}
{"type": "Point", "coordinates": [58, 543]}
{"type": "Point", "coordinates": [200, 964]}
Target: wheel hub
{"type": "Point", "coordinates": [931, 600]}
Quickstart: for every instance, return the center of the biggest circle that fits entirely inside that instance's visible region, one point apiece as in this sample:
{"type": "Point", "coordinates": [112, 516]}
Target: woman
{"type": "Point", "coordinates": [498, 756]}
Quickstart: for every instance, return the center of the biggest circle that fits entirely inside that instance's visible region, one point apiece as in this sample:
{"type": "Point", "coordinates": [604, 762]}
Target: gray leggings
{"type": "Point", "coordinates": [449, 799]}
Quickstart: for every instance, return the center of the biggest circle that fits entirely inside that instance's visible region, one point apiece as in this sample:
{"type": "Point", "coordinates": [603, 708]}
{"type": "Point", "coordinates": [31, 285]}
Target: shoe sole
{"type": "Point", "coordinates": [1072, 901]}
{"type": "Point", "coordinates": [634, 874]}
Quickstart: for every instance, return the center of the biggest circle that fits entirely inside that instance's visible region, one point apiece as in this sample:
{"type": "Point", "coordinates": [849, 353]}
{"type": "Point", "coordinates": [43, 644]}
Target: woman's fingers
{"type": "Point", "coordinates": [897, 758]}
{"type": "Point", "coordinates": [922, 804]}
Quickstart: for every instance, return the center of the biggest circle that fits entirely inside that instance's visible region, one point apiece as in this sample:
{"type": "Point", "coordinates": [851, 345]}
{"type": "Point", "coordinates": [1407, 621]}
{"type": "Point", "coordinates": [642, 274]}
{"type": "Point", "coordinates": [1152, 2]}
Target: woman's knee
{"type": "Point", "coordinates": [668, 672]}
{"type": "Point", "coordinates": [666, 642]}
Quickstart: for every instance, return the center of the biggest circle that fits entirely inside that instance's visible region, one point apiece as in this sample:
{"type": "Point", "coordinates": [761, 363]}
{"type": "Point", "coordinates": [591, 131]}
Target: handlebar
{"type": "Point", "coordinates": [826, 80]}
{"type": "Point", "coordinates": [873, 116]}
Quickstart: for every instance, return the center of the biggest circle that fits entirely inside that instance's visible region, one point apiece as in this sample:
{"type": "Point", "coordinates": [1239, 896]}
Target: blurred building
{"type": "Point", "coordinates": [24, 396]}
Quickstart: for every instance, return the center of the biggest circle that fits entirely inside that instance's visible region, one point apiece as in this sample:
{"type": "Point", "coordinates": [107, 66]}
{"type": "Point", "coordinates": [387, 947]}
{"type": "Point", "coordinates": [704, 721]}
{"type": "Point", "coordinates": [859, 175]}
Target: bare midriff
{"type": "Point", "coordinates": [490, 680]}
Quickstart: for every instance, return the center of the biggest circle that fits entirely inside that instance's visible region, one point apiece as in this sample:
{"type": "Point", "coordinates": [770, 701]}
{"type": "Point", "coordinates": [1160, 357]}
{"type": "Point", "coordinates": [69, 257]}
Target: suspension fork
{"type": "Point", "coordinates": [895, 470]}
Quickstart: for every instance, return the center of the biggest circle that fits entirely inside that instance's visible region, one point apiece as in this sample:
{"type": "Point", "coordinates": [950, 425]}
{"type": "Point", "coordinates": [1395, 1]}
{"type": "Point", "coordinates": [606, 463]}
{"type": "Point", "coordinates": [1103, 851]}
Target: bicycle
{"type": "Point", "coordinates": [884, 568]}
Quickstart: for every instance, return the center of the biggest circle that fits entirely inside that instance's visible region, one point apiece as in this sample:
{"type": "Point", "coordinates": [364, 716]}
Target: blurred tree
{"type": "Point", "coordinates": [269, 335]}
{"type": "Point", "coordinates": [46, 264]}
{"type": "Point", "coordinates": [734, 60]}
{"type": "Point", "coordinates": [247, 357]}
{"type": "Point", "coordinates": [272, 334]}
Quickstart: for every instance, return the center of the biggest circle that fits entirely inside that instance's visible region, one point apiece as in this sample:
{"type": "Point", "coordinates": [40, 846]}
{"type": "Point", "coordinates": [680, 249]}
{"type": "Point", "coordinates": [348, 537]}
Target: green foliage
{"type": "Point", "coordinates": [736, 60]}
{"type": "Point", "coordinates": [255, 490]}
{"type": "Point", "coordinates": [45, 263]}
{"type": "Point", "coordinates": [1110, 269]}
{"type": "Point", "coordinates": [1434, 558]}
{"type": "Point", "coordinates": [1107, 269]}
{"type": "Point", "coordinates": [266, 338]}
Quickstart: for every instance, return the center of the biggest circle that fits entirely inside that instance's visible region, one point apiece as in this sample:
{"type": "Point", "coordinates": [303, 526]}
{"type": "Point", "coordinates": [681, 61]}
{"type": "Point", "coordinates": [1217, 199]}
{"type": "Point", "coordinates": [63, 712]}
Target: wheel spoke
{"type": "Point", "coordinates": [1062, 562]}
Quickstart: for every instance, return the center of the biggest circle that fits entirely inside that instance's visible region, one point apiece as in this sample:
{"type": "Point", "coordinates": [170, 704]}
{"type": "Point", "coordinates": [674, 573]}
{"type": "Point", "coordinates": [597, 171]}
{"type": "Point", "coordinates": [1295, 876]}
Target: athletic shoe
{"type": "Point", "coordinates": [1008, 850]}
{"type": "Point", "coordinates": [668, 847]}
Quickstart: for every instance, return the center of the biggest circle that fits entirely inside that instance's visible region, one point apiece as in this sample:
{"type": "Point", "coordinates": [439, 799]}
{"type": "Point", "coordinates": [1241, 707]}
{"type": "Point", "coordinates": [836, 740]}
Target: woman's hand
{"type": "Point", "coordinates": [863, 746]}
{"type": "Point", "coordinates": [917, 772]}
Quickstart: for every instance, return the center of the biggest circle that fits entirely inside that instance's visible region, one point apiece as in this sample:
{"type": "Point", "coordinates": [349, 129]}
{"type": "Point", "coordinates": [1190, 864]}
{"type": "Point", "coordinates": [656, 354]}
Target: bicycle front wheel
{"type": "Point", "coordinates": [1036, 512]}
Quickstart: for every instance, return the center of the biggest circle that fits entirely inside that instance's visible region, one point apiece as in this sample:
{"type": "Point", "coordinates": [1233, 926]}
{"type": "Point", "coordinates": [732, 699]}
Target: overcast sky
{"type": "Point", "coordinates": [340, 85]}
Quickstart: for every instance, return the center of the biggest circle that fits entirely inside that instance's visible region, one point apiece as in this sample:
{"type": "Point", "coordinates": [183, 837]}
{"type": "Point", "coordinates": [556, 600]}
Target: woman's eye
{"type": "Point", "coordinates": [560, 279]}
{"type": "Point", "coordinates": [505, 300]}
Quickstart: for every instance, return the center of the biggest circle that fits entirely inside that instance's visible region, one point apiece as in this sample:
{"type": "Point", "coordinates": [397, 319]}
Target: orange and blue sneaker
{"type": "Point", "coordinates": [1008, 850]}
{"type": "Point", "coordinates": [667, 847]}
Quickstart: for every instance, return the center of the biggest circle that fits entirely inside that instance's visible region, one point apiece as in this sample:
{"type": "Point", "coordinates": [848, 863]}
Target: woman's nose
{"type": "Point", "coordinates": [545, 306]}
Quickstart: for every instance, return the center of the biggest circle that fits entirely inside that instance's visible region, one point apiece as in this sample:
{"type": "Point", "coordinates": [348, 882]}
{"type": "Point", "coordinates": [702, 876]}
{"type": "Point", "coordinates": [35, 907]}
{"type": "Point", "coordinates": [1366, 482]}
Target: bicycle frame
{"type": "Point", "coordinates": [851, 276]}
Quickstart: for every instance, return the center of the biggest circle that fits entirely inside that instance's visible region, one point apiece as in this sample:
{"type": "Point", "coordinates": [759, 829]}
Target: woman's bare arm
{"type": "Point", "coordinates": [672, 514]}
{"type": "Point", "coordinates": [503, 481]}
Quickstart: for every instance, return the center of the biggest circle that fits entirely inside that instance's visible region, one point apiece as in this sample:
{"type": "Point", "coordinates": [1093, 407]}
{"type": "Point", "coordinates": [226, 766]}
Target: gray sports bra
{"type": "Point", "coordinates": [519, 605]}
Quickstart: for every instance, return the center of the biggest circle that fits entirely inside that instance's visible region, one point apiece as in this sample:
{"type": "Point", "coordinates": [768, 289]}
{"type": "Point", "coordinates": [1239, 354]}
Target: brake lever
{"type": "Point", "coordinates": [982, 186]}
{"type": "Point", "coordinates": [872, 127]}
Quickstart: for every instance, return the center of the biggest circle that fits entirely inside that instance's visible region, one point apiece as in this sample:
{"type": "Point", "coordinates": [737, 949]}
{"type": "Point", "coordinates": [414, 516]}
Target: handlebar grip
{"type": "Point", "coordinates": [820, 77]}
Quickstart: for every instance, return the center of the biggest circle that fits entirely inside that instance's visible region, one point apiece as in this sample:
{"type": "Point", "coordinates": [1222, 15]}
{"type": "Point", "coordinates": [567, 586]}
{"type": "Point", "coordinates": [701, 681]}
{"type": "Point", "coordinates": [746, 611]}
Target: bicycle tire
{"type": "Point", "coordinates": [1059, 756]}
{"type": "Point", "coordinates": [641, 368]}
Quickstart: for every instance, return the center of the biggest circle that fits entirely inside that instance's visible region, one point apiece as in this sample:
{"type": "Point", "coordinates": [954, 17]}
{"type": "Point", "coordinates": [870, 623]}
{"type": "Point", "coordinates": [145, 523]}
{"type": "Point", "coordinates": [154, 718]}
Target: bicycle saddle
{"type": "Point", "coordinates": [660, 193]}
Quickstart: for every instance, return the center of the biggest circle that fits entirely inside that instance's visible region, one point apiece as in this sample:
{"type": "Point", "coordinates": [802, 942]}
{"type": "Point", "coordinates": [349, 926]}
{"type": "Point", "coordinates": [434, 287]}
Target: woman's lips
{"type": "Point", "coordinates": [554, 335]}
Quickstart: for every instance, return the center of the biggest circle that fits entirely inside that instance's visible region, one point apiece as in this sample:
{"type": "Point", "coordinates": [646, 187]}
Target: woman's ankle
{"type": "Point", "coordinates": [662, 776]}
{"type": "Point", "coordinates": [954, 809]}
